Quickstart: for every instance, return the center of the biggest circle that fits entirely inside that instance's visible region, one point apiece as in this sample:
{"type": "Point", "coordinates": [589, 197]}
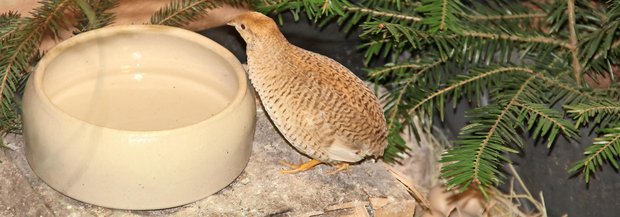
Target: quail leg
{"type": "Point", "coordinates": [296, 168]}
{"type": "Point", "coordinates": [340, 167]}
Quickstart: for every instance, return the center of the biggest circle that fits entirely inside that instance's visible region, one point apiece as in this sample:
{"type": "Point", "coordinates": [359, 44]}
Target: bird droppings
{"type": "Point", "coordinates": [261, 190]}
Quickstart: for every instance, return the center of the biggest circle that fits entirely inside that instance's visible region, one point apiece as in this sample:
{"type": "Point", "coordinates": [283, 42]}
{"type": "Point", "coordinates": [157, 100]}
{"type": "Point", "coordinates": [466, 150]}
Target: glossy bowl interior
{"type": "Point", "coordinates": [138, 117]}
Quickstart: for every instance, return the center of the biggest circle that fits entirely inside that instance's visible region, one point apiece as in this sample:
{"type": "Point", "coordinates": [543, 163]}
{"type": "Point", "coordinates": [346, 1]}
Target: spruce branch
{"type": "Point", "coordinates": [601, 112]}
{"type": "Point", "coordinates": [392, 117]}
{"type": "Point", "coordinates": [89, 12]}
{"type": "Point", "coordinates": [397, 33]}
{"type": "Point", "coordinates": [593, 112]}
{"type": "Point", "coordinates": [100, 16]}
{"type": "Point", "coordinates": [493, 129]}
{"type": "Point", "coordinates": [440, 15]}
{"type": "Point", "coordinates": [465, 80]}
{"type": "Point", "coordinates": [567, 91]}
{"type": "Point", "coordinates": [8, 24]}
{"type": "Point", "coordinates": [396, 110]}
{"type": "Point", "coordinates": [546, 122]}
{"type": "Point", "coordinates": [477, 42]}
{"type": "Point", "coordinates": [21, 45]}
{"type": "Point", "coordinates": [396, 105]}
{"type": "Point", "coordinates": [600, 48]}
{"type": "Point", "coordinates": [315, 9]}
{"type": "Point", "coordinates": [476, 178]}
{"type": "Point", "coordinates": [604, 149]}
{"type": "Point", "coordinates": [483, 140]}
{"type": "Point", "coordinates": [182, 12]}
{"type": "Point", "coordinates": [386, 38]}
{"type": "Point", "coordinates": [510, 37]}
{"type": "Point", "coordinates": [503, 13]}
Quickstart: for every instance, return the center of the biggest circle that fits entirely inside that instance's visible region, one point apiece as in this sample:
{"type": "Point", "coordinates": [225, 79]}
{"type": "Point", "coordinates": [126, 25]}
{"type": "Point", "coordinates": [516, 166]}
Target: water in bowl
{"type": "Point", "coordinates": [141, 101]}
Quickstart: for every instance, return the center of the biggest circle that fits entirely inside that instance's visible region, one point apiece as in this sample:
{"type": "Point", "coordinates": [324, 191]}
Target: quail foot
{"type": "Point", "coordinates": [320, 107]}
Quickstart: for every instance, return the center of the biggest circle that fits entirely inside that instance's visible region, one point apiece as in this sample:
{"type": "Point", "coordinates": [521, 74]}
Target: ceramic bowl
{"type": "Point", "coordinates": [138, 117]}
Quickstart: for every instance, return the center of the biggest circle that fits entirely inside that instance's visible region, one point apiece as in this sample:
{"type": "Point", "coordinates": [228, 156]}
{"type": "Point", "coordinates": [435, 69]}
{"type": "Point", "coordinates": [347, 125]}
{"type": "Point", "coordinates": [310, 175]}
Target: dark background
{"type": "Point", "coordinates": [541, 169]}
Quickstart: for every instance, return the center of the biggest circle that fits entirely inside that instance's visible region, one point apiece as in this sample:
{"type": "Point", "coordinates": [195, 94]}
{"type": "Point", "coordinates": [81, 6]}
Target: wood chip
{"type": "Point", "coordinates": [397, 209]}
{"type": "Point", "coordinates": [419, 197]}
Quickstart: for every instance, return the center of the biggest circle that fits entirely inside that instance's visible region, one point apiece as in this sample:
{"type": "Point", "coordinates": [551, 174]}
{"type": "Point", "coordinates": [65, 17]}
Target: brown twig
{"type": "Point", "coordinates": [573, 41]}
{"type": "Point", "coordinates": [382, 14]}
{"type": "Point", "coordinates": [444, 14]}
{"type": "Point", "coordinates": [506, 17]}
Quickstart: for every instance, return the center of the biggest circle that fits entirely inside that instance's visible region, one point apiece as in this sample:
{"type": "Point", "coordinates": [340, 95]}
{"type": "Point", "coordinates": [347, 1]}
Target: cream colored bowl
{"type": "Point", "coordinates": [138, 117]}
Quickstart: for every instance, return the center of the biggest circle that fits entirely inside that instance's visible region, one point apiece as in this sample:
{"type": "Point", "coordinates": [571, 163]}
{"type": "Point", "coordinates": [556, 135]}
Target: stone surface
{"type": "Point", "coordinates": [259, 191]}
{"type": "Point", "coordinates": [18, 196]}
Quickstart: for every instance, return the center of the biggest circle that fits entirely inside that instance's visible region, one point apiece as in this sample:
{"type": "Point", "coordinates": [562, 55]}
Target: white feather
{"type": "Point", "coordinates": [338, 151]}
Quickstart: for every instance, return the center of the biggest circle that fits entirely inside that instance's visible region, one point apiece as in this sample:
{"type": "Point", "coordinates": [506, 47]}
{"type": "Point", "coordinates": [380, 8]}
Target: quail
{"type": "Point", "coordinates": [320, 107]}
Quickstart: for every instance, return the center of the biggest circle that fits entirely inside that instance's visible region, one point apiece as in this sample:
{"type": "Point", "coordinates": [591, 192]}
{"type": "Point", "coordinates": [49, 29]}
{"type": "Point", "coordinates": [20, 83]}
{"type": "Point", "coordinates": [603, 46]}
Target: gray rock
{"type": "Point", "coordinates": [259, 191]}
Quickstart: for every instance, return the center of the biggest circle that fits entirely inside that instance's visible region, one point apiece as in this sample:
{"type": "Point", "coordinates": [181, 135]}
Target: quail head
{"type": "Point", "coordinates": [319, 106]}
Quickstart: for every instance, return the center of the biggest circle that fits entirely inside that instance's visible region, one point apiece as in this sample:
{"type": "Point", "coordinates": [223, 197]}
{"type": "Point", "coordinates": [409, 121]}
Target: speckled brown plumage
{"type": "Point", "coordinates": [320, 107]}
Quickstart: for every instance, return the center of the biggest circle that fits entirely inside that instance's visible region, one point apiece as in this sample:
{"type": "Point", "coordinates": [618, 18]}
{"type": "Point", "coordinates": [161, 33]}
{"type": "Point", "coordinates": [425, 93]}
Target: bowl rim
{"type": "Point", "coordinates": [180, 33]}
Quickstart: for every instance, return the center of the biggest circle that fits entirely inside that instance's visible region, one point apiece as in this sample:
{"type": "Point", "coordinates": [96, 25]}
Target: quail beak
{"type": "Point", "coordinates": [231, 23]}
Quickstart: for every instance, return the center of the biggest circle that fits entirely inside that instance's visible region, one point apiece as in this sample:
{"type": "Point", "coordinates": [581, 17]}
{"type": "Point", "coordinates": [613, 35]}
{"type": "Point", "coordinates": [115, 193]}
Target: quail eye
{"type": "Point", "coordinates": [242, 26]}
